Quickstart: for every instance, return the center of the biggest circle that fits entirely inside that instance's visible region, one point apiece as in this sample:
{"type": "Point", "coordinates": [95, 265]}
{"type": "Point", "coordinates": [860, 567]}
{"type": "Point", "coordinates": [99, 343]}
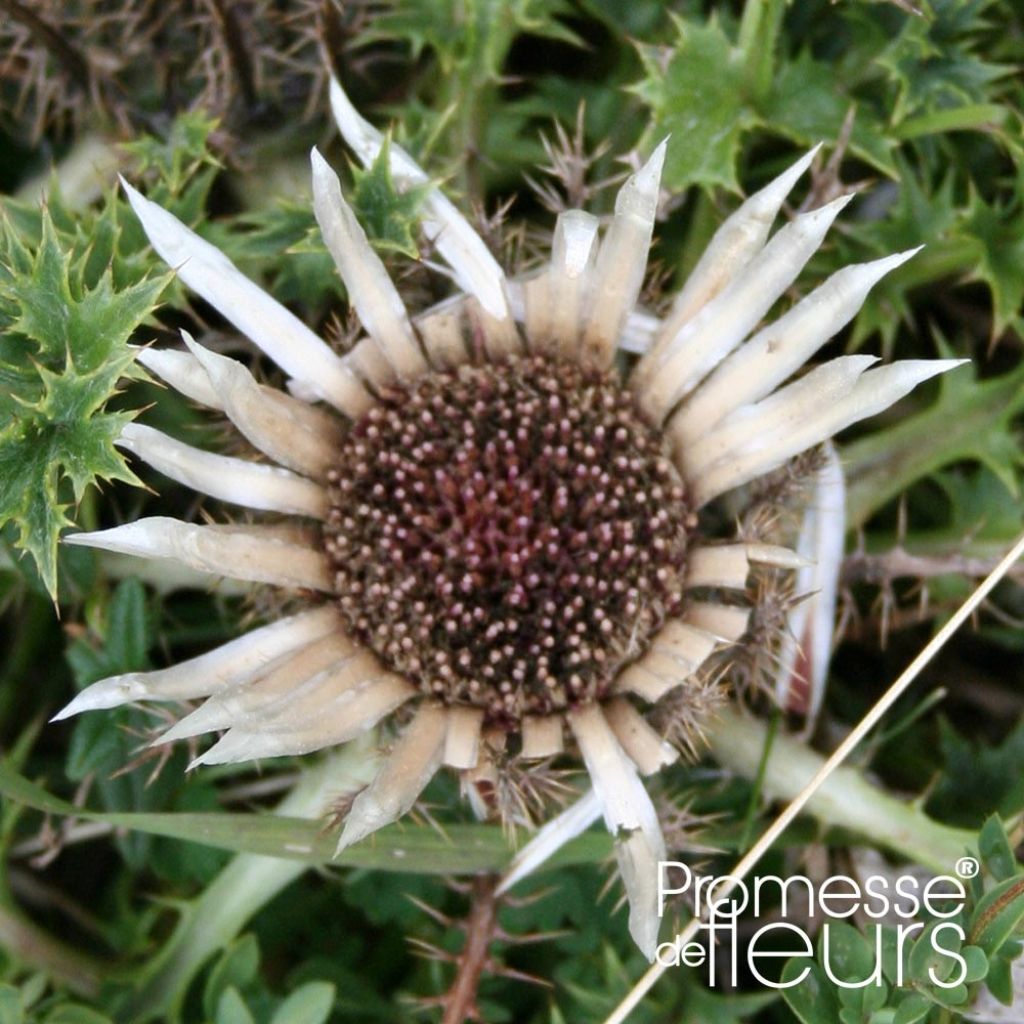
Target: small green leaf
{"type": "Point", "coordinates": [850, 955]}
{"type": "Point", "coordinates": [913, 1009]}
{"type": "Point", "coordinates": [75, 1013]}
{"type": "Point", "coordinates": [977, 964]}
{"type": "Point", "coordinates": [231, 1008]}
{"type": "Point", "coordinates": [930, 957]}
{"type": "Point", "coordinates": [999, 980]}
{"type": "Point", "coordinates": [813, 1000]}
{"type": "Point", "coordinates": [310, 1004]}
{"type": "Point", "coordinates": [995, 850]}
{"type": "Point", "coordinates": [952, 998]}
{"type": "Point", "coordinates": [235, 969]}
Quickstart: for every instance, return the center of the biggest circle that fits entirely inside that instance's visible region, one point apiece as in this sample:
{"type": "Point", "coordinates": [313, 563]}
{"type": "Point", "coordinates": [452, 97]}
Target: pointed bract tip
{"type": "Point", "coordinates": [326, 184]}
{"type": "Point", "coordinates": [131, 191]}
{"type": "Point", "coordinates": [766, 202]}
{"type": "Point", "coordinates": [639, 195]}
{"type": "Point", "coordinates": [320, 165]}
{"type": "Point", "coordinates": [945, 365]}
{"type": "Point", "coordinates": [649, 176]}
{"type": "Point", "coordinates": [877, 269]}
{"type": "Point", "coordinates": [908, 253]}
{"type": "Point", "coordinates": [136, 199]}
{"type": "Point", "coordinates": [778, 556]}
{"type": "Point", "coordinates": [69, 710]}
{"type": "Point", "coordinates": [349, 836]}
{"type": "Point", "coordinates": [84, 539]}
{"type": "Point", "coordinates": [107, 693]}
{"type": "Point", "coordinates": [212, 362]}
{"type": "Point", "coordinates": [210, 756]}
{"type": "Point", "coordinates": [800, 165]}
{"type": "Point", "coordinates": [837, 204]}
{"type": "Point", "coordinates": [192, 345]}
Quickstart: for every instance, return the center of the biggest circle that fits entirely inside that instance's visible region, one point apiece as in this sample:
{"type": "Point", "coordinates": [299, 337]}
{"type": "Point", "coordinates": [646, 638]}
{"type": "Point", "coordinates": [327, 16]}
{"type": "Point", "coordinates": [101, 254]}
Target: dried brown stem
{"type": "Point", "coordinates": [74, 62]}
{"type": "Point", "coordinates": [226, 22]}
{"type": "Point", "coordinates": [470, 964]}
{"type": "Point", "coordinates": [861, 567]}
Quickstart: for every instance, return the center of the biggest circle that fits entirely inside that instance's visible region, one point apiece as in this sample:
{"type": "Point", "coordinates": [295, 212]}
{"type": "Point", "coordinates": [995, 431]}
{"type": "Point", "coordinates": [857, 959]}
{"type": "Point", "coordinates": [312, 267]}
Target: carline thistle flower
{"type": "Point", "coordinates": [503, 525]}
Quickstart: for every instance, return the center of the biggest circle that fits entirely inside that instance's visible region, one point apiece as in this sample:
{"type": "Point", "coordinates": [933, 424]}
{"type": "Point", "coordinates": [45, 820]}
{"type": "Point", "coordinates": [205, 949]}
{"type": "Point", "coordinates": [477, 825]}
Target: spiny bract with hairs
{"type": "Point", "coordinates": [500, 512]}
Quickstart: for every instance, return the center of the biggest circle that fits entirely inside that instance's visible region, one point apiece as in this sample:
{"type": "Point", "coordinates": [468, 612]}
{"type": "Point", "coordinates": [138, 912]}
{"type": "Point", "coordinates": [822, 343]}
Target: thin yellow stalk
{"type": "Point", "coordinates": [866, 724]}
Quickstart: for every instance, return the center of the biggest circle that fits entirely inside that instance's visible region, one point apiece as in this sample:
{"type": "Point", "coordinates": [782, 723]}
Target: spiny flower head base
{"type": "Point", "coordinates": [507, 535]}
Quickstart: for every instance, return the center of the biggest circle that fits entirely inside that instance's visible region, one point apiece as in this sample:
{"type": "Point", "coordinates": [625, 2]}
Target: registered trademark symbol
{"type": "Point", "coordinates": [967, 867]}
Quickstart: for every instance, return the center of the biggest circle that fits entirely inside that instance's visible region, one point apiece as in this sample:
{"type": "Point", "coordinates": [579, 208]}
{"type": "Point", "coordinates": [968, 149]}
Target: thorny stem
{"type": "Point", "coordinates": [863, 566]}
{"type": "Point", "coordinates": [246, 885]}
{"type": "Point", "coordinates": [460, 1001]}
{"type": "Point", "coordinates": [845, 800]}
{"type": "Point", "coordinates": [468, 88]}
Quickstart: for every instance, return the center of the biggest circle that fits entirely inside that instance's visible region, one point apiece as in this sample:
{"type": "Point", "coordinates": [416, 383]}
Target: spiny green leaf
{"type": "Point", "coordinates": [388, 216]}
{"type": "Point", "coordinates": [471, 35]}
{"type": "Point", "coordinates": [920, 212]}
{"type": "Point", "coordinates": [970, 419]}
{"type": "Point", "coordinates": [934, 60]}
{"type": "Point", "coordinates": [282, 245]}
{"type": "Point", "coordinates": [695, 92]}
{"type": "Point", "coordinates": [989, 777]}
{"type": "Point", "coordinates": [996, 235]}
{"type": "Point", "coordinates": [67, 345]}
{"type": "Point", "coordinates": [180, 164]}
{"type": "Point", "coordinates": [806, 106]}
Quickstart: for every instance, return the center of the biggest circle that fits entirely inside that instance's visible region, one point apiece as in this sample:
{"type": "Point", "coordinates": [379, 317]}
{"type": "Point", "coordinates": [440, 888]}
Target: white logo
{"type": "Point", "coordinates": [720, 900]}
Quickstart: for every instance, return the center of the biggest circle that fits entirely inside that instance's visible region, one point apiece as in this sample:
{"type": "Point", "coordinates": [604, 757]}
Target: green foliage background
{"type": "Point", "coordinates": [212, 108]}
